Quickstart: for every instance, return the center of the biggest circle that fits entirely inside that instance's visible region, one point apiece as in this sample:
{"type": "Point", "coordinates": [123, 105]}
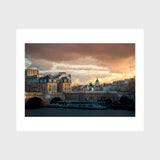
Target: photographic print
{"type": "Point", "coordinates": [80, 79]}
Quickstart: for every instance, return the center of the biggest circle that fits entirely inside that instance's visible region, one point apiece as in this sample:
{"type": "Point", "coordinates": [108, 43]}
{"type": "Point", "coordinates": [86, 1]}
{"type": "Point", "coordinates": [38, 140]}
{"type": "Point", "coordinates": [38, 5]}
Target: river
{"type": "Point", "coordinates": [70, 112]}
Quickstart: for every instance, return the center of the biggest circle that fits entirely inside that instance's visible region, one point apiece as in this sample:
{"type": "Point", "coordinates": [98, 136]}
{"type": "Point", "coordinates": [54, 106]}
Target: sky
{"type": "Point", "coordinates": [85, 62]}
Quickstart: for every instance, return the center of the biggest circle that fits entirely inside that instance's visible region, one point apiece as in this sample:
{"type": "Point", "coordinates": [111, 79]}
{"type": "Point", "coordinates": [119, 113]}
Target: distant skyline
{"type": "Point", "coordinates": [85, 62]}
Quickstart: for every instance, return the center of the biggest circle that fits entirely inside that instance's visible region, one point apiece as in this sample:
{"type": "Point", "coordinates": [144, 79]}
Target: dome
{"type": "Point", "coordinates": [97, 82]}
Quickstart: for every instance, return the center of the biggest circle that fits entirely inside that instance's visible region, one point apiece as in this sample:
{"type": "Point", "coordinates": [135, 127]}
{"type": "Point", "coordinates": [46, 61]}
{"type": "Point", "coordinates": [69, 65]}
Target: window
{"type": "Point", "coordinates": [50, 88]}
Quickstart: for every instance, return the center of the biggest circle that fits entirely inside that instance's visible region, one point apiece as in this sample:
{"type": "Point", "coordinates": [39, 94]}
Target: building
{"type": "Point", "coordinates": [91, 87]}
{"type": "Point", "coordinates": [97, 83]}
{"type": "Point", "coordinates": [31, 83]}
{"type": "Point", "coordinates": [85, 88]}
{"type": "Point", "coordinates": [47, 84]}
{"type": "Point", "coordinates": [97, 86]}
{"type": "Point", "coordinates": [106, 87]}
{"type": "Point", "coordinates": [31, 72]}
{"type": "Point", "coordinates": [65, 85]}
{"type": "Point", "coordinates": [77, 88]}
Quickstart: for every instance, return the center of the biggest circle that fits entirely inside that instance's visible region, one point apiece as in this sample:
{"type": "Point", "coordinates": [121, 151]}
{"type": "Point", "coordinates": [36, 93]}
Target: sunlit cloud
{"type": "Point", "coordinates": [85, 62]}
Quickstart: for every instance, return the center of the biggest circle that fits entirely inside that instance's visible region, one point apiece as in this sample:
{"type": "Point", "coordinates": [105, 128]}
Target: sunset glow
{"type": "Point", "coordinates": [85, 62]}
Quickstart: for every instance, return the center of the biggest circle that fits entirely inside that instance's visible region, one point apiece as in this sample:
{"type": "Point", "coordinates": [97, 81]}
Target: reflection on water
{"type": "Point", "coordinates": [70, 112]}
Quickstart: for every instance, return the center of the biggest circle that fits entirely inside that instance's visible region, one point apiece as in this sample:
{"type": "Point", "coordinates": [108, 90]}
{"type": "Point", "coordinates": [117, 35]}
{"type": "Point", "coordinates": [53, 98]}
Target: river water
{"type": "Point", "coordinates": [70, 112]}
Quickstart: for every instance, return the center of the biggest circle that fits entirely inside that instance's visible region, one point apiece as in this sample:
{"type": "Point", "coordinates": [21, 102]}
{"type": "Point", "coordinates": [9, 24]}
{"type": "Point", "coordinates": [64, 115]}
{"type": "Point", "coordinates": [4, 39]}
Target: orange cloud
{"type": "Point", "coordinates": [84, 61]}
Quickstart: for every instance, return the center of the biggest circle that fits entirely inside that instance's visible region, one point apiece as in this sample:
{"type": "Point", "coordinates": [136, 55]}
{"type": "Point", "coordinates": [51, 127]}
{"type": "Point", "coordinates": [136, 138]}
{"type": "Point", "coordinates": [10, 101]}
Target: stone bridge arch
{"type": "Point", "coordinates": [35, 102]}
{"type": "Point", "coordinates": [55, 100]}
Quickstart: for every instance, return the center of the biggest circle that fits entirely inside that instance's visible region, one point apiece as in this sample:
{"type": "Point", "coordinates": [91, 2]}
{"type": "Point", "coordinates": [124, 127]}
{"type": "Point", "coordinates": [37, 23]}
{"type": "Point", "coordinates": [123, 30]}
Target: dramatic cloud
{"type": "Point", "coordinates": [40, 64]}
{"type": "Point", "coordinates": [85, 68]}
{"type": "Point", "coordinates": [84, 61]}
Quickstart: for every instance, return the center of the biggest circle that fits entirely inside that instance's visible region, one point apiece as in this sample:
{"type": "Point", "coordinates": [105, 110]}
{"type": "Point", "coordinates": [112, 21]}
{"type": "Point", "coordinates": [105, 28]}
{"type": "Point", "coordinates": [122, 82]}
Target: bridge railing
{"type": "Point", "coordinates": [31, 94]}
{"type": "Point", "coordinates": [34, 94]}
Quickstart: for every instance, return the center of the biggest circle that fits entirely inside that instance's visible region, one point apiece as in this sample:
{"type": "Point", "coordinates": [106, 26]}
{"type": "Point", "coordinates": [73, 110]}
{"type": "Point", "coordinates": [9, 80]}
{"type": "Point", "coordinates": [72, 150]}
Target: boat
{"type": "Point", "coordinates": [77, 104]}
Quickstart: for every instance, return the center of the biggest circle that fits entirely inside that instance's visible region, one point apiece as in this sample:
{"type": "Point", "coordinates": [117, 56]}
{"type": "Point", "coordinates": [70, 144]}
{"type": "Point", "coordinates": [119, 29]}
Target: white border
{"type": "Point", "coordinates": [79, 123]}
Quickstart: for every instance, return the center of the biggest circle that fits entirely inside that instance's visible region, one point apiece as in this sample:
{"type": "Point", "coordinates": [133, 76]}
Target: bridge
{"type": "Point", "coordinates": [41, 99]}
